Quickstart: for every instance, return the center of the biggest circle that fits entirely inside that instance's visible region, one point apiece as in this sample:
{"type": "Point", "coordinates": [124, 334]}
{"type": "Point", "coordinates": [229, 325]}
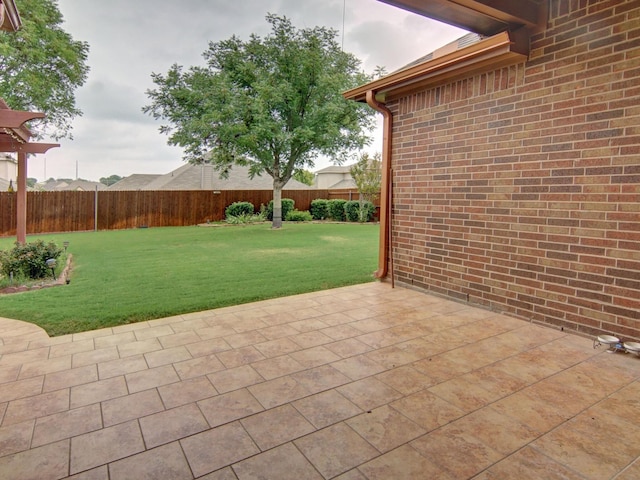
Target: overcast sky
{"type": "Point", "coordinates": [129, 40]}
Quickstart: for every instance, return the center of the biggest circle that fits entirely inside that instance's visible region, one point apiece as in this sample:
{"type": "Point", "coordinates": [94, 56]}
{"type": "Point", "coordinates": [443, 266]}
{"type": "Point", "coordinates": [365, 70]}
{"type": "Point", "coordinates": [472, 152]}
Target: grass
{"type": "Point", "coordinates": [127, 276]}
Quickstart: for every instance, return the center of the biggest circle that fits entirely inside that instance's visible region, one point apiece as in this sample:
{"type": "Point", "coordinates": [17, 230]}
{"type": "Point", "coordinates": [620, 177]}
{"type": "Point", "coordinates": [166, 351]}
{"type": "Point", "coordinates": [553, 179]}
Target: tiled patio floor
{"type": "Point", "coordinates": [363, 382]}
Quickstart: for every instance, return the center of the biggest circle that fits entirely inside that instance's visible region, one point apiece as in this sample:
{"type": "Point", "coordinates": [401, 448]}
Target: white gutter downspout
{"type": "Point", "coordinates": [385, 258]}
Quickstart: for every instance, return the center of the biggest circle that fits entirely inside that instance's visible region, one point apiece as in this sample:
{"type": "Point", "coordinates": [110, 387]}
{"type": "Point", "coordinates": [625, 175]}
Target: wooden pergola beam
{"type": "Point", "coordinates": [16, 118]}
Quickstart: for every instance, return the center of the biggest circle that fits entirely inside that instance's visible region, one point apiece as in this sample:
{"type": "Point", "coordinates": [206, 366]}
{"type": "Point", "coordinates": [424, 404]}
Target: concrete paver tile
{"type": "Point", "coordinates": [16, 438]}
{"type": "Point", "coordinates": [66, 424]}
{"type": "Point", "coordinates": [139, 347]}
{"type": "Point", "coordinates": [369, 393]}
{"type": "Point", "coordinates": [21, 389]}
{"type": "Point", "coordinates": [98, 391]}
{"type": "Point", "coordinates": [217, 448]}
{"type": "Point", "coordinates": [9, 373]}
{"type": "Point", "coordinates": [234, 378]}
{"type": "Point", "coordinates": [455, 451]}
{"type": "Point", "coordinates": [320, 378]}
{"type": "Point", "coordinates": [131, 407]}
{"type": "Point", "coordinates": [167, 356]}
{"type": "Point", "coordinates": [530, 464]}
{"type": "Point", "coordinates": [403, 463]}
{"type": "Point", "coordinates": [154, 377]}
{"type": "Point", "coordinates": [326, 408]}
{"type": "Point", "coordinates": [114, 340]}
{"type": "Point", "coordinates": [335, 449]}
{"type": "Point", "coordinates": [166, 461]}
{"type": "Point", "coordinates": [314, 356]}
{"type": "Point", "coordinates": [207, 347]}
{"type": "Point", "coordinates": [36, 406]}
{"type": "Point", "coordinates": [405, 379]}
{"type": "Point", "coordinates": [348, 347]}
{"type": "Point", "coordinates": [239, 356]}
{"type": "Point", "coordinates": [228, 407]}
{"type": "Point", "coordinates": [48, 461]}
{"type": "Point", "coordinates": [276, 426]}
{"type": "Point", "coordinates": [283, 463]}
{"type": "Point", "coordinates": [427, 410]}
{"type": "Point", "coordinates": [278, 391]}
{"type": "Point", "coordinates": [103, 446]}
{"type": "Point", "coordinates": [70, 378]}
{"type": "Point", "coordinates": [187, 391]}
{"type": "Point", "coordinates": [174, 424]}
{"type": "Point", "coordinates": [222, 474]}
{"type": "Point", "coordinates": [197, 367]}
{"type": "Point", "coordinates": [65, 349]}
{"type": "Point", "coordinates": [42, 367]}
{"type": "Point", "coordinates": [277, 347]}
{"type": "Point", "coordinates": [121, 366]}
{"type": "Point", "coordinates": [385, 428]}
{"type": "Point", "coordinates": [177, 339]}
{"type": "Point", "coordinates": [92, 357]}
{"type": "Point", "coordinates": [276, 367]}
{"type": "Point", "coordinates": [358, 367]}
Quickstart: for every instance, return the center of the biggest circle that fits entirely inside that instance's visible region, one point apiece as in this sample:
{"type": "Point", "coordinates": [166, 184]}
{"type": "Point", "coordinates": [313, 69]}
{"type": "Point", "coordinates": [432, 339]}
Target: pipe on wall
{"type": "Point", "coordinates": [384, 255]}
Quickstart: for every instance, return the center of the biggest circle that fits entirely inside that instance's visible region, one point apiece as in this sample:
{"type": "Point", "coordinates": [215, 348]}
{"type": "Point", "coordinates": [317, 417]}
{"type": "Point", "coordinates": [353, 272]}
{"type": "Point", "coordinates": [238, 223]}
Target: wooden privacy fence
{"type": "Point", "coordinates": [70, 211]}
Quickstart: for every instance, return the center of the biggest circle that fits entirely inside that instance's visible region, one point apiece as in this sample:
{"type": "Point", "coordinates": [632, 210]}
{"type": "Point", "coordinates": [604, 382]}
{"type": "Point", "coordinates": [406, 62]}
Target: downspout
{"type": "Point", "coordinates": [384, 252]}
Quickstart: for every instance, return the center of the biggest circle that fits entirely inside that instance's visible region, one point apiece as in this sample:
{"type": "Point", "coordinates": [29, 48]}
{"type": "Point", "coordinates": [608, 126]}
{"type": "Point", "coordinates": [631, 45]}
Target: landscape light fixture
{"type": "Point", "coordinates": [65, 245]}
{"type": "Point", "coordinates": [51, 263]}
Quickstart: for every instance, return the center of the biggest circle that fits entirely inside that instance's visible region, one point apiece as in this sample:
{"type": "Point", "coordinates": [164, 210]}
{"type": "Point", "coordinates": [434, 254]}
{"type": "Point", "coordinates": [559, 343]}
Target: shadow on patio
{"type": "Point", "coordinates": [363, 382]}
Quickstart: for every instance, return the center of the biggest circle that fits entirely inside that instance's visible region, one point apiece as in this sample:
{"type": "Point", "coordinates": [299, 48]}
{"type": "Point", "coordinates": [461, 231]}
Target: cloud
{"type": "Point", "coordinates": [129, 40]}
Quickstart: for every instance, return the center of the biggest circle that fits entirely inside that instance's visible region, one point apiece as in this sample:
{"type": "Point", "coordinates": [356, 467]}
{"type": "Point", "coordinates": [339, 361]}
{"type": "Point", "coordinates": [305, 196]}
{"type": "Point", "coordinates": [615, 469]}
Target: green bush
{"type": "Point", "coordinates": [245, 218]}
{"type": "Point", "coordinates": [287, 206]}
{"type": "Point", "coordinates": [29, 260]}
{"type": "Point", "coordinates": [319, 209]}
{"type": "Point", "coordinates": [336, 209]}
{"type": "Point", "coordinates": [355, 212]}
{"type": "Point", "coordinates": [237, 209]}
{"type": "Point", "coordinates": [299, 216]}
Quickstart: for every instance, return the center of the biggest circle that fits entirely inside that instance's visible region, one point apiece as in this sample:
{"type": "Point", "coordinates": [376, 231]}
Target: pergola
{"type": "Point", "coordinates": [14, 135]}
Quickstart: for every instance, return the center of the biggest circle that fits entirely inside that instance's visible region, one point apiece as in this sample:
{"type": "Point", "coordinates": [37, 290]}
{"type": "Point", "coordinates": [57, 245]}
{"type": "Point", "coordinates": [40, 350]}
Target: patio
{"type": "Point", "coordinates": [362, 382]}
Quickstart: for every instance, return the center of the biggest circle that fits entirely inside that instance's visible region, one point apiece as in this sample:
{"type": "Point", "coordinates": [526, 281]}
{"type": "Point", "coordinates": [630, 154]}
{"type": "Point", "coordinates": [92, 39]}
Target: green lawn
{"type": "Point", "coordinates": [127, 276]}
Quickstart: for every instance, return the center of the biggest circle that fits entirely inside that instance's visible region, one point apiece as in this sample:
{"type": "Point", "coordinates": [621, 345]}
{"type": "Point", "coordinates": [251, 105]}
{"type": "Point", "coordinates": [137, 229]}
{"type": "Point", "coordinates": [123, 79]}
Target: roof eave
{"type": "Point", "coordinates": [9, 16]}
{"type": "Point", "coordinates": [500, 49]}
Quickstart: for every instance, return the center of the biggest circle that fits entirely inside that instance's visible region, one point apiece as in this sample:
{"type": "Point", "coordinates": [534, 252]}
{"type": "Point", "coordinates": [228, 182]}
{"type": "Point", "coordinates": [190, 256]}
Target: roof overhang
{"type": "Point", "coordinates": [486, 17]}
{"type": "Point", "coordinates": [9, 16]}
{"type": "Point", "coordinates": [499, 50]}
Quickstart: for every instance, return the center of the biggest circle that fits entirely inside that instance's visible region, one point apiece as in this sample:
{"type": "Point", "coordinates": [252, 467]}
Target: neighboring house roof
{"type": "Point", "coordinates": [75, 185]}
{"type": "Point", "coordinates": [205, 177]}
{"type": "Point", "coordinates": [346, 183]}
{"type": "Point", "coordinates": [336, 169]}
{"type": "Point", "coordinates": [137, 181]}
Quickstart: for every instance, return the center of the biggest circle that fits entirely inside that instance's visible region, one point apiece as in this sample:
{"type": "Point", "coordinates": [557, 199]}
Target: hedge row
{"type": "Point", "coordinates": [338, 210]}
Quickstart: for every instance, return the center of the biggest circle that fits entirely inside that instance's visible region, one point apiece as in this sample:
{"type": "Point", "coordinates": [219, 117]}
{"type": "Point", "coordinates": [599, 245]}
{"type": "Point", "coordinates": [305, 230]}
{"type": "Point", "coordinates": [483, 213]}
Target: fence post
{"type": "Point", "coordinates": [95, 213]}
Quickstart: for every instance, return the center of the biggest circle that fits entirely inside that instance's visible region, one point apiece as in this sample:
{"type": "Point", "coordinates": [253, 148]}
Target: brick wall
{"type": "Point", "coordinates": [519, 189]}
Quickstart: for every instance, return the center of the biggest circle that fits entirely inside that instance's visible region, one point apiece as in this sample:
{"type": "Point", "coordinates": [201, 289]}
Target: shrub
{"type": "Point", "coordinates": [29, 260]}
{"type": "Point", "coordinates": [287, 206]}
{"type": "Point", "coordinates": [357, 212]}
{"type": "Point", "coordinates": [245, 218]}
{"type": "Point", "coordinates": [319, 209]}
{"type": "Point", "coordinates": [299, 216]}
{"type": "Point", "coordinates": [239, 208]}
{"type": "Point", "coordinates": [336, 209]}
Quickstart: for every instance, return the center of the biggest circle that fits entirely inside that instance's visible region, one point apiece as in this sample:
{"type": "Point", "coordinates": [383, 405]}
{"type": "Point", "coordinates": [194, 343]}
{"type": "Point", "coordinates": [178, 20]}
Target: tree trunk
{"type": "Point", "coordinates": [277, 204]}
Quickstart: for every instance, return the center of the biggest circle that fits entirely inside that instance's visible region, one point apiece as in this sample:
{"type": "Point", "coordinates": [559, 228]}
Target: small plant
{"type": "Point", "coordinates": [287, 206]}
{"type": "Point", "coordinates": [359, 211]}
{"type": "Point", "coordinates": [239, 208]}
{"type": "Point", "coordinates": [336, 209]}
{"type": "Point", "coordinates": [299, 216]}
{"type": "Point", "coordinates": [29, 260]}
{"type": "Point", "coordinates": [319, 209]}
{"type": "Point", "coordinates": [245, 218]}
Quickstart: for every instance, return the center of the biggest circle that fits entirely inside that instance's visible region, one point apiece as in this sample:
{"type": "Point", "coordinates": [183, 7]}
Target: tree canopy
{"type": "Point", "coordinates": [41, 67]}
{"type": "Point", "coordinates": [273, 104]}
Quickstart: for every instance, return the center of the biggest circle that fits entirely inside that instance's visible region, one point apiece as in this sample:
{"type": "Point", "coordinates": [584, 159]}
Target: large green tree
{"type": "Point", "coordinates": [273, 104]}
{"type": "Point", "coordinates": [41, 66]}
